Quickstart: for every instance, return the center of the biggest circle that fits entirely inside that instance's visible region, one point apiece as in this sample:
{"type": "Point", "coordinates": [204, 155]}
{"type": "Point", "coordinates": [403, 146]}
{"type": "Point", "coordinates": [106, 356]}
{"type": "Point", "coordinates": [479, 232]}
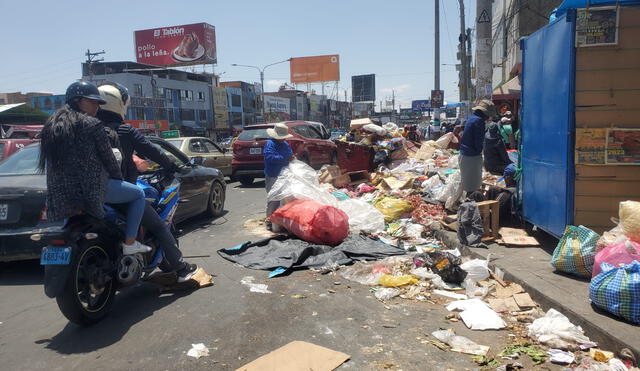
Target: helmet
{"type": "Point", "coordinates": [115, 96]}
{"type": "Point", "coordinates": [82, 89]}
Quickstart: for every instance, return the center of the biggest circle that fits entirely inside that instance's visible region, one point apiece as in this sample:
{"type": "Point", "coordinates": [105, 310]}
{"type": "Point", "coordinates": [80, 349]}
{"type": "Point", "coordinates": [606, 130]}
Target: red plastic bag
{"type": "Point", "coordinates": [617, 254]}
{"type": "Point", "coordinates": [313, 222]}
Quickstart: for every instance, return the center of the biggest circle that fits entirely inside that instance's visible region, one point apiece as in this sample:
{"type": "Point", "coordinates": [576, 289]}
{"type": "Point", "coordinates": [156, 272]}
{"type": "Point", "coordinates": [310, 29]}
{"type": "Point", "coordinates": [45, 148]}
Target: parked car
{"type": "Point", "coordinates": [11, 146]}
{"type": "Point", "coordinates": [205, 152]}
{"type": "Point", "coordinates": [324, 133]}
{"type": "Point", "coordinates": [23, 190]}
{"type": "Point", "coordinates": [307, 143]}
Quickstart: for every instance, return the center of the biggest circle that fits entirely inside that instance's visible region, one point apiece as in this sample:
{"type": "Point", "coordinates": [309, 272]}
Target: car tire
{"type": "Point", "coordinates": [246, 180]}
{"type": "Point", "coordinates": [215, 203]}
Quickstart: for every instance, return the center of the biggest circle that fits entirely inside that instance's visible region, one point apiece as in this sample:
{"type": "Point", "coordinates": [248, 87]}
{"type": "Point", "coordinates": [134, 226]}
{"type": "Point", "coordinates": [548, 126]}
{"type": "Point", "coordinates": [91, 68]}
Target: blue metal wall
{"type": "Point", "coordinates": [548, 125]}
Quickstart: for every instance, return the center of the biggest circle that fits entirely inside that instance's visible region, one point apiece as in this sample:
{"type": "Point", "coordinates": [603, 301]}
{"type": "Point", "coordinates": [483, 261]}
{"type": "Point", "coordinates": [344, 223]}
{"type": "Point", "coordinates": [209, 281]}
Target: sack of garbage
{"type": "Point", "coordinates": [617, 255]}
{"type": "Point", "coordinates": [363, 217]}
{"type": "Point", "coordinates": [444, 264]}
{"type": "Point", "coordinates": [443, 141]}
{"type": "Point", "coordinates": [556, 331]}
{"type": "Point", "coordinates": [392, 208]}
{"type": "Point", "coordinates": [477, 269]}
{"type": "Point", "coordinates": [576, 251]}
{"type": "Point", "coordinates": [373, 128]}
{"type": "Point", "coordinates": [617, 290]}
{"type": "Point", "coordinates": [629, 213]}
{"type": "Point", "coordinates": [313, 222]}
{"type": "Point", "coordinates": [611, 237]}
{"type": "Point", "coordinates": [470, 227]}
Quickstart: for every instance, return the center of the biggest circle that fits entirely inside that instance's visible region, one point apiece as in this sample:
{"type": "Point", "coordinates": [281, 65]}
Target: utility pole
{"type": "Point", "coordinates": [464, 67]}
{"type": "Point", "coordinates": [436, 73]}
{"type": "Point", "coordinates": [470, 91]}
{"type": "Point", "coordinates": [484, 67]}
{"type": "Point", "coordinates": [91, 59]}
{"type": "Point", "coordinates": [393, 100]}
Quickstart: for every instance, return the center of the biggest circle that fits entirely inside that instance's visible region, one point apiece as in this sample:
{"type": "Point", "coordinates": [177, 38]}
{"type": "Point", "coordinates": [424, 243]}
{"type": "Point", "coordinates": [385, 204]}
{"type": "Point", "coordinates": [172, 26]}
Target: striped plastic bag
{"type": "Point", "coordinates": [617, 290]}
{"type": "Point", "coordinates": [576, 251]}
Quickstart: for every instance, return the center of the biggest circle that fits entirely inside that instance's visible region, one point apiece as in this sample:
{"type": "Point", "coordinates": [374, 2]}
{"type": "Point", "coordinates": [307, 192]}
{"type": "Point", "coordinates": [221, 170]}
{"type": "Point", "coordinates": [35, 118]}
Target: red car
{"type": "Point", "coordinates": [308, 143]}
{"type": "Point", "coordinates": [11, 146]}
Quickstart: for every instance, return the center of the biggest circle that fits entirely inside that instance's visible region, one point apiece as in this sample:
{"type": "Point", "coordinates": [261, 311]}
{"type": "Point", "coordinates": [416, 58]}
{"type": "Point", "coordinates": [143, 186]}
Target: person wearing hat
{"type": "Point", "coordinates": [506, 196]}
{"type": "Point", "coordinates": [506, 131]}
{"type": "Point", "coordinates": [277, 155]}
{"type": "Point", "coordinates": [472, 144]}
{"type": "Point", "coordinates": [495, 151]}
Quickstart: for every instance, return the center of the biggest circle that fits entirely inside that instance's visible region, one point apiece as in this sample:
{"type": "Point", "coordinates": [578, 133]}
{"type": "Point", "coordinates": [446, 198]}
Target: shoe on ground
{"type": "Point", "coordinates": [187, 272]}
{"type": "Point", "coordinates": [135, 248]}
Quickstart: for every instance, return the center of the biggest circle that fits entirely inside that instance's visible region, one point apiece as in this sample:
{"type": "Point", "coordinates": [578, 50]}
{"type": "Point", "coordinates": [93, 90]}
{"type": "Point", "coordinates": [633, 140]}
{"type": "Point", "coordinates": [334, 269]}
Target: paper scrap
{"type": "Point", "coordinates": [561, 357]}
{"type": "Point", "coordinates": [508, 291]}
{"type": "Point", "coordinates": [298, 355]}
{"type": "Point", "coordinates": [255, 287]}
{"type": "Point", "coordinates": [524, 300]}
{"type": "Point", "coordinates": [504, 305]}
{"type": "Point", "coordinates": [450, 294]}
{"type": "Point", "coordinates": [198, 350]}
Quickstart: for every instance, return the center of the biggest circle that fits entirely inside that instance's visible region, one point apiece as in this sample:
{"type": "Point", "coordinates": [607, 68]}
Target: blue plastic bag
{"type": "Point", "coordinates": [617, 290]}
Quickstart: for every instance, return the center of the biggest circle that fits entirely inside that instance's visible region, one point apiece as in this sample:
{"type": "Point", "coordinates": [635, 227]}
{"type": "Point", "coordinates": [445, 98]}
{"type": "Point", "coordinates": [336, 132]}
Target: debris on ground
{"type": "Point", "coordinates": [198, 350]}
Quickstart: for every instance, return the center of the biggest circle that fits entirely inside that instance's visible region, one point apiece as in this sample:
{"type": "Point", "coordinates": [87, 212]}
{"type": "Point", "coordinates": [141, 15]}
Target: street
{"type": "Point", "coordinates": [147, 330]}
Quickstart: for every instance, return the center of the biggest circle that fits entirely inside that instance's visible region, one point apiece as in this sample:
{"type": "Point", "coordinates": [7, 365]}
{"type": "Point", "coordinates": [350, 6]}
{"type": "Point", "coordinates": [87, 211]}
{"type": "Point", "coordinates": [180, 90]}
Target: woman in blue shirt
{"type": "Point", "coordinates": [471, 146]}
{"type": "Point", "coordinates": [277, 155]}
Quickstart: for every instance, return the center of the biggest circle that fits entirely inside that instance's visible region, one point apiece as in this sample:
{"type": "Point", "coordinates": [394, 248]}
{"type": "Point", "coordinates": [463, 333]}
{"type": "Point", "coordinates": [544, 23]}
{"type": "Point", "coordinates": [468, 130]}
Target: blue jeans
{"type": "Point", "coordinates": [121, 192]}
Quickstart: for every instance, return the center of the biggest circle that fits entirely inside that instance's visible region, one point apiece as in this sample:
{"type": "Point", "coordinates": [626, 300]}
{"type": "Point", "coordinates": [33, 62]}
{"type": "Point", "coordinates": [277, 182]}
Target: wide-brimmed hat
{"type": "Point", "coordinates": [279, 131]}
{"type": "Point", "coordinates": [487, 107]}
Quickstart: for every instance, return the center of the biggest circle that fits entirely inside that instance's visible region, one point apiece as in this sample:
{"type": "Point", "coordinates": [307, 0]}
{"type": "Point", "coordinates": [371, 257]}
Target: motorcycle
{"type": "Point", "coordinates": [85, 267]}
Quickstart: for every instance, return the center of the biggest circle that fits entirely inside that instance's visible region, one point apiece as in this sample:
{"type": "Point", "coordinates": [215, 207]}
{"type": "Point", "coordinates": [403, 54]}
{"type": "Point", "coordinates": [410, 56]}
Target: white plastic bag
{"type": "Point", "coordinates": [373, 128]}
{"type": "Point", "coordinates": [556, 331]}
{"type": "Point", "coordinates": [460, 343]}
{"type": "Point", "coordinates": [363, 217]}
{"type": "Point", "coordinates": [477, 269]}
{"type": "Point", "coordinates": [477, 315]}
{"type": "Point", "coordinates": [431, 183]}
{"type": "Point", "coordinates": [386, 293]}
{"type": "Point", "coordinates": [390, 127]}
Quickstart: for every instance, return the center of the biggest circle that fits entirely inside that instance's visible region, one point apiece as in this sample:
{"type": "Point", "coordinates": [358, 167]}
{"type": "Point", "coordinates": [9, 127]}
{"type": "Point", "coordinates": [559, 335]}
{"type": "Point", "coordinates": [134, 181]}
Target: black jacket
{"type": "Point", "coordinates": [131, 140]}
{"type": "Point", "coordinates": [495, 152]}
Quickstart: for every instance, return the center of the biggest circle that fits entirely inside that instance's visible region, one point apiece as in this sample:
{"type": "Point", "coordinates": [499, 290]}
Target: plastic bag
{"type": "Point", "coordinates": [390, 127]}
{"type": "Point", "coordinates": [444, 264]}
{"type": "Point", "coordinates": [431, 183]}
{"type": "Point", "coordinates": [363, 217]}
{"type": "Point", "coordinates": [575, 252]}
{"type": "Point", "coordinates": [611, 237]}
{"type": "Point", "coordinates": [373, 128]}
{"type": "Point", "coordinates": [556, 331]}
{"type": "Point", "coordinates": [477, 269]}
{"type": "Point", "coordinates": [392, 208]}
{"type": "Point", "coordinates": [477, 315]}
{"type": "Point", "coordinates": [386, 293]}
{"type": "Point", "coordinates": [396, 281]}
{"type": "Point", "coordinates": [617, 290]}
{"type": "Point", "coordinates": [617, 254]}
{"type": "Point", "coordinates": [460, 343]}
{"type": "Point", "coordinates": [629, 213]}
{"type": "Point", "coordinates": [361, 272]}
{"type": "Point", "coordinates": [470, 226]}
{"type": "Point", "coordinates": [313, 222]}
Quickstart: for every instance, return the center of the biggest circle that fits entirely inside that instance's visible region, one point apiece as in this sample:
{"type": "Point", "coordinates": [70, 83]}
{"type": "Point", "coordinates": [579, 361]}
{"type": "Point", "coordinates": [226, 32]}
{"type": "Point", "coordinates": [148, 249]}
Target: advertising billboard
{"type": "Point", "coordinates": [220, 107]}
{"type": "Point", "coordinates": [363, 88]}
{"type": "Point", "coordinates": [176, 45]}
{"type": "Point", "coordinates": [152, 125]}
{"type": "Point", "coordinates": [437, 98]}
{"type": "Point", "coordinates": [315, 69]}
{"type": "Point", "coordinates": [422, 105]}
{"type": "Point", "coordinates": [277, 109]}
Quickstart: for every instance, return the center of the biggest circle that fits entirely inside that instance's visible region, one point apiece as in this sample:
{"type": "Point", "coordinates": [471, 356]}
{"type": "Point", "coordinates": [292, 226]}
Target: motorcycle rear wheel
{"type": "Point", "coordinates": [91, 286]}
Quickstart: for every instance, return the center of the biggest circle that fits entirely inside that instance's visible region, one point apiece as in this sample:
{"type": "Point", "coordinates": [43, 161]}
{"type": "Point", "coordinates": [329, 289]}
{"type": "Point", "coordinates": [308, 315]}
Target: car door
{"type": "Point", "coordinates": [198, 148]}
{"type": "Point", "coordinates": [315, 140]}
{"type": "Point", "coordinates": [221, 160]}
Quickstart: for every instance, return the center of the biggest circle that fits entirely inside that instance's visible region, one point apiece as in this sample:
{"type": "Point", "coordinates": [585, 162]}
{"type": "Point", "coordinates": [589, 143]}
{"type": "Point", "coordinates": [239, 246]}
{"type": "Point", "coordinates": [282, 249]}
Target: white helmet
{"type": "Point", "coordinates": [116, 96]}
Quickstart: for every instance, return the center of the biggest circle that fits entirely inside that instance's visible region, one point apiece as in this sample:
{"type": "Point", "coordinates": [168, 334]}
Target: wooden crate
{"type": "Point", "coordinates": [490, 213]}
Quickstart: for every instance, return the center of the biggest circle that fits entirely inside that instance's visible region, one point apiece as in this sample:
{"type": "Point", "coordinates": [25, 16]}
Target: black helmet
{"type": "Point", "coordinates": [82, 89]}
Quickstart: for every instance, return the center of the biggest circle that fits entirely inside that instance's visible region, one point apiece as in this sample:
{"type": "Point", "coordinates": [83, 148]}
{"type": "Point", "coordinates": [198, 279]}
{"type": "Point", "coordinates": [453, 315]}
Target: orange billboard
{"type": "Point", "coordinates": [315, 69]}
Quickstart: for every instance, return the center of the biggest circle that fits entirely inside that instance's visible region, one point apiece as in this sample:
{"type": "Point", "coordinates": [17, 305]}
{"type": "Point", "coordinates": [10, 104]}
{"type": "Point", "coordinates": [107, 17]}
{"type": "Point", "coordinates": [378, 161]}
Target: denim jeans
{"type": "Point", "coordinates": [121, 192]}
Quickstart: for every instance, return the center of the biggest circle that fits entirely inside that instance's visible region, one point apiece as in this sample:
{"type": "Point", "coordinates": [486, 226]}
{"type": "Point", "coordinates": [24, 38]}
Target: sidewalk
{"type": "Point", "coordinates": [530, 267]}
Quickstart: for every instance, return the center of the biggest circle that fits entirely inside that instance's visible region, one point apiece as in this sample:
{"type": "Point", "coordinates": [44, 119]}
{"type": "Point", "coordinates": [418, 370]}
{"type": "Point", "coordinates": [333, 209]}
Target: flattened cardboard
{"type": "Point", "coordinates": [298, 355]}
{"type": "Point", "coordinates": [524, 300]}
{"type": "Point", "coordinates": [504, 305]}
{"type": "Point", "coordinates": [517, 237]}
{"type": "Point", "coordinates": [509, 291]}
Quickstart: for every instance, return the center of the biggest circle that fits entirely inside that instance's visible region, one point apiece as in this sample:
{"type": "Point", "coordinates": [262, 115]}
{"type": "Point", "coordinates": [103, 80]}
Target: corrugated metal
{"type": "Point", "coordinates": [548, 86]}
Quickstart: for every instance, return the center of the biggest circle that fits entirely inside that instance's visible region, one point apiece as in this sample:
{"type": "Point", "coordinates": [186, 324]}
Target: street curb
{"type": "Point", "coordinates": [602, 336]}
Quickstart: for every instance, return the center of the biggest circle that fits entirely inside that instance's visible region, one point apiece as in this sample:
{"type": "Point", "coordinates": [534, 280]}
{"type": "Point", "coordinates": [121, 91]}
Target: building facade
{"type": "Point", "coordinates": [47, 103]}
{"type": "Point", "coordinates": [18, 97]}
{"type": "Point", "coordinates": [248, 103]}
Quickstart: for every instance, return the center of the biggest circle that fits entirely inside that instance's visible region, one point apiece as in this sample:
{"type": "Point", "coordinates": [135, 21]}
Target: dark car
{"type": "Point", "coordinates": [308, 143]}
{"type": "Point", "coordinates": [22, 200]}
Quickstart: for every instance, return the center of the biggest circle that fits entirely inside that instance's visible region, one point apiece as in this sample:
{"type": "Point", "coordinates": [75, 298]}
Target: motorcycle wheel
{"type": "Point", "coordinates": [90, 288]}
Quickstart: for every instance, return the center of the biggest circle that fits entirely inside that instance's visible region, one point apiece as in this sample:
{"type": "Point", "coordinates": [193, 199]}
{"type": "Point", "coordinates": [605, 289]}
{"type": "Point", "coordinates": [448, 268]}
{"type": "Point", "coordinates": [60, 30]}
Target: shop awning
{"type": "Point", "coordinates": [510, 89]}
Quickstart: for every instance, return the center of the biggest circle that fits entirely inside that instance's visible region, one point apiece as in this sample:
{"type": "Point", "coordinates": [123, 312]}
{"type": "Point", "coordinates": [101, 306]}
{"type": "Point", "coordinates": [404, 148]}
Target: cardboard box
{"type": "Point", "coordinates": [352, 178]}
{"type": "Point", "coordinates": [329, 174]}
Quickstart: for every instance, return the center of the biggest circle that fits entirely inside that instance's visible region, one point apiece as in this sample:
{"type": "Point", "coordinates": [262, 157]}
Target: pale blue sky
{"type": "Point", "coordinates": [44, 41]}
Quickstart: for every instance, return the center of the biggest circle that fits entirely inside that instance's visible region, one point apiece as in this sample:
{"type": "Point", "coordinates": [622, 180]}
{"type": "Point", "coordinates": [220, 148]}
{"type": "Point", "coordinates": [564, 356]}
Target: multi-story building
{"type": "Point", "coordinates": [182, 98]}
{"type": "Point", "coordinates": [249, 104]}
{"type": "Point", "coordinates": [17, 97]}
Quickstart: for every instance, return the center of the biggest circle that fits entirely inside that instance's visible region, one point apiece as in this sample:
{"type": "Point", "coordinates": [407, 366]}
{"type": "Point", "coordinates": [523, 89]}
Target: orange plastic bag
{"type": "Point", "coordinates": [313, 222]}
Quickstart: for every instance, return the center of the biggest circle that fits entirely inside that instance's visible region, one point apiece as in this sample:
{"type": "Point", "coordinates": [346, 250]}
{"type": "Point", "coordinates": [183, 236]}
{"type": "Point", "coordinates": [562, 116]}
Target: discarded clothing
{"type": "Point", "coordinates": [290, 253]}
{"type": "Point", "coordinates": [470, 229]}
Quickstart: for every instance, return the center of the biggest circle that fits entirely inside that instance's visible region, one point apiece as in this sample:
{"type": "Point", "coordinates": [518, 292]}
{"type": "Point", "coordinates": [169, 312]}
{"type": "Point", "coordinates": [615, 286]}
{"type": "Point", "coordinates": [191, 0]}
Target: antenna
{"type": "Point", "coordinates": [91, 59]}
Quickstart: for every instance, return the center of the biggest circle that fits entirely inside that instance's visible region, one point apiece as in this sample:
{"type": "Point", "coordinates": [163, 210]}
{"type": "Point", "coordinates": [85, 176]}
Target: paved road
{"type": "Point", "coordinates": [152, 331]}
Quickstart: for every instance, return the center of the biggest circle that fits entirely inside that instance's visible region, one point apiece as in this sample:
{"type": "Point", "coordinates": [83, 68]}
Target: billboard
{"type": "Point", "coordinates": [363, 88]}
{"type": "Point", "coordinates": [437, 98]}
{"type": "Point", "coordinates": [315, 69]}
{"type": "Point", "coordinates": [422, 105]}
{"type": "Point", "coordinates": [161, 125]}
{"type": "Point", "coordinates": [176, 45]}
{"type": "Point", "coordinates": [276, 109]}
{"type": "Point", "coordinates": [220, 107]}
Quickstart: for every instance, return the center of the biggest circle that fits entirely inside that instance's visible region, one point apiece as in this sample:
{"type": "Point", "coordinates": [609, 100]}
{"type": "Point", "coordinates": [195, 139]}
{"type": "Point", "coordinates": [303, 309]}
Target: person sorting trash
{"type": "Point", "coordinates": [495, 154]}
{"type": "Point", "coordinates": [471, 145]}
{"type": "Point", "coordinates": [277, 155]}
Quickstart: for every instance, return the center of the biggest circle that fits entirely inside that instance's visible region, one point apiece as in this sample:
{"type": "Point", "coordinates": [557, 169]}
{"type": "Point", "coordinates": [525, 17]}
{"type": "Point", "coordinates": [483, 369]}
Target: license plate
{"type": "Point", "coordinates": [4, 211]}
{"type": "Point", "coordinates": [255, 151]}
{"type": "Point", "coordinates": [55, 255]}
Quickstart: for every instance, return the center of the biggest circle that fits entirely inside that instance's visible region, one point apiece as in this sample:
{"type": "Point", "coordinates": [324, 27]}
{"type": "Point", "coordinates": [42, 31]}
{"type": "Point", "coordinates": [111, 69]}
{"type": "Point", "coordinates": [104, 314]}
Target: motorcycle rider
{"type": "Point", "coordinates": [112, 113]}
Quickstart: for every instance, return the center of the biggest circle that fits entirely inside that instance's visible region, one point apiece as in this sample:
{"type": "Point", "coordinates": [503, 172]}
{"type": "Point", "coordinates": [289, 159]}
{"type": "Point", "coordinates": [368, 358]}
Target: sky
{"type": "Point", "coordinates": [44, 41]}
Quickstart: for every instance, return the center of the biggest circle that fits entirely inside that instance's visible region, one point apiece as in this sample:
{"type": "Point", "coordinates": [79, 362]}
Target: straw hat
{"type": "Point", "coordinates": [279, 131]}
{"type": "Point", "coordinates": [487, 107]}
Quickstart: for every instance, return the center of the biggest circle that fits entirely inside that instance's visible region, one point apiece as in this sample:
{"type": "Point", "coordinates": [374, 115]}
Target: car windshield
{"type": "Point", "coordinates": [176, 142]}
{"type": "Point", "coordinates": [253, 134]}
{"type": "Point", "coordinates": [23, 162]}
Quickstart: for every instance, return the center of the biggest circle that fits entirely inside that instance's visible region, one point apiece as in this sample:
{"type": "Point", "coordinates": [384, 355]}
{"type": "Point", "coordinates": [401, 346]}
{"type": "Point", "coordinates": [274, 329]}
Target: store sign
{"type": "Point", "coordinates": [420, 105]}
{"type": "Point", "coordinates": [220, 107]}
{"type": "Point", "coordinates": [149, 124]}
{"type": "Point", "coordinates": [437, 98]}
{"type": "Point", "coordinates": [315, 69]}
{"type": "Point", "coordinates": [171, 134]}
{"type": "Point", "coordinates": [623, 147]}
{"type": "Point", "coordinates": [597, 26]}
{"type": "Point", "coordinates": [176, 45]}
{"type": "Point", "coordinates": [590, 146]}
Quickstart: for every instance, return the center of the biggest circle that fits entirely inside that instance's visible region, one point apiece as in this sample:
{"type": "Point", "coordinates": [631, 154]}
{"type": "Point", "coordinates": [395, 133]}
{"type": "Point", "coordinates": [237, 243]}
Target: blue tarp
{"type": "Point", "coordinates": [572, 4]}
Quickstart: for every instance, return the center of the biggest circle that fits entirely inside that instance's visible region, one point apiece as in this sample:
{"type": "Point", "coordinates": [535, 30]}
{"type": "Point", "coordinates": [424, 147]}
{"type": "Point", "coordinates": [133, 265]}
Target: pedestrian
{"type": "Point", "coordinates": [471, 145]}
{"type": "Point", "coordinates": [82, 168]}
{"type": "Point", "coordinates": [495, 151]}
{"type": "Point", "coordinates": [506, 131]}
{"type": "Point", "coordinates": [277, 155]}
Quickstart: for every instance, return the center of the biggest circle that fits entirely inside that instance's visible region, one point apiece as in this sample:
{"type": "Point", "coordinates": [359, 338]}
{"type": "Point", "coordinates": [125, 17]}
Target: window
{"type": "Point", "coordinates": [187, 114]}
{"type": "Point", "coordinates": [201, 96]}
{"type": "Point", "coordinates": [203, 115]}
{"type": "Point", "coordinates": [186, 95]}
{"type": "Point", "coordinates": [137, 90]}
{"type": "Point", "coordinates": [212, 148]}
{"type": "Point", "coordinates": [139, 113]}
{"type": "Point", "coordinates": [302, 130]}
{"type": "Point", "coordinates": [169, 154]}
{"type": "Point", "coordinates": [159, 92]}
{"type": "Point", "coordinates": [236, 100]}
{"type": "Point", "coordinates": [198, 146]}
{"type": "Point", "coordinates": [170, 116]}
{"type": "Point", "coordinates": [169, 95]}
{"type": "Point", "coordinates": [162, 114]}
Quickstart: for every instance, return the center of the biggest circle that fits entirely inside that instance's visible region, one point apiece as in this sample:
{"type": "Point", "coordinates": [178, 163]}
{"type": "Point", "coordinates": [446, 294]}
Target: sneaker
{"type": "Point", "coordinates": [186, 272]}
{"type": "Point", "coordinates": [135, 248]}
